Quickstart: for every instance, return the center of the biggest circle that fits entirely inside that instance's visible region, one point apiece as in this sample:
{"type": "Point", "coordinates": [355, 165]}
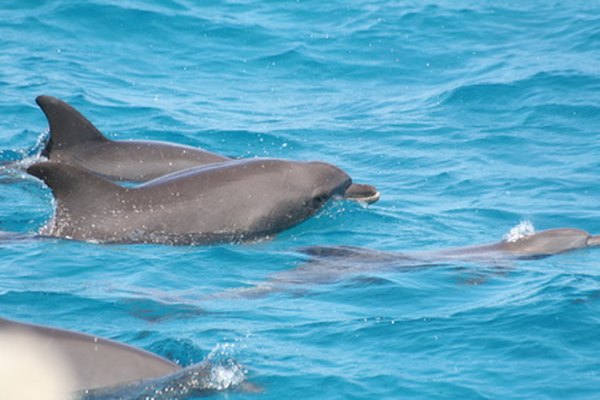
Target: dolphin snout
{"type": "Point", "coordinates": [330, 179]}
{"type": "Point", "coordinates": [339, 184]}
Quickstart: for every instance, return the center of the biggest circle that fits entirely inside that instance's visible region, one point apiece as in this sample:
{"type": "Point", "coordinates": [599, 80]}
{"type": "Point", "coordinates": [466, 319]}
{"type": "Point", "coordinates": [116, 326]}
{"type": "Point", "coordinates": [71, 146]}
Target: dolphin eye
{"type": "Point", "coordinates": [319, 200]}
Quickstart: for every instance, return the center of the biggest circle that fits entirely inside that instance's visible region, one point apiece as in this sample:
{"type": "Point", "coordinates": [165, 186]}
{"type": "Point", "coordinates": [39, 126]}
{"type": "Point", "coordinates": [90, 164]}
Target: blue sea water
{"type": "Point", "coordinates": [470, 117]}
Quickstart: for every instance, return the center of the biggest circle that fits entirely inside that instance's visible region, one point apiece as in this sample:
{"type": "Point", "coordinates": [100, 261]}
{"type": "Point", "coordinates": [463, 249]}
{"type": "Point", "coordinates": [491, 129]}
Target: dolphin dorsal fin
{"type": "Point", "coordinates": [67, 126]}
{"type": "Point", "coordinates": [77, 190]}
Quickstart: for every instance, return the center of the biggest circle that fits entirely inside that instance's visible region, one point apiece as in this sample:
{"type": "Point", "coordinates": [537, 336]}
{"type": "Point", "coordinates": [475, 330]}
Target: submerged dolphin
{"type": "Point", "coordinates": [94, 368]}
{"type": "Point", "coordinates": [332, 264]}
{"type": "Point", "coordinates": [226, 202]}
{"type": "Point", "coordinates": [74, 140]}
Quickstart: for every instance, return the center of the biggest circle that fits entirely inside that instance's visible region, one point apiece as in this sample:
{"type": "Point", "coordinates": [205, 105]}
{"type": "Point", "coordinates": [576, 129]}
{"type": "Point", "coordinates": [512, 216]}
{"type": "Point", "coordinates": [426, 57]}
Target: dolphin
{"type": "Point", "coordinates": [96, 368]}
{"type": "Point", "coordinates": [329, 264]}
{"type": "Point", "coordinates": [232, 201]}
{"type": "Point", "coordinates": [536, 245]}
{"type": "Point", "coordinates": [74, 140]}
{"type": "Point", "coordinates": [95, 362]}
{"type": "Point", "coordinates": [530, 246]}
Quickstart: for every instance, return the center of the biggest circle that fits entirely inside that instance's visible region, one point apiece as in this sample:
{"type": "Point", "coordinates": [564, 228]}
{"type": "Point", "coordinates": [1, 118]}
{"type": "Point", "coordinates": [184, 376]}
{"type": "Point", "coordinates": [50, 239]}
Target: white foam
{"type": "Point", "coordinates": [225, 372]}
{"type": "Point", "coordinates": [27, 161]}
{"type": "Point", "coordinates": [226, 376]}
{"type": "Point", "coordinates": [523, 229]}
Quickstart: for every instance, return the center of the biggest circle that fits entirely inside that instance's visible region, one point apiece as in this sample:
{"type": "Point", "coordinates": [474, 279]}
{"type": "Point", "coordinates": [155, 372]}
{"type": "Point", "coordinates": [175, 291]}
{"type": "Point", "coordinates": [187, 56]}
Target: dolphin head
{"type": "Point", "coordinates": [326, 181]}
{"type": "Point", "coordinates": [302, 189]}
{"type": "Point", "coordinates": [552, 241]}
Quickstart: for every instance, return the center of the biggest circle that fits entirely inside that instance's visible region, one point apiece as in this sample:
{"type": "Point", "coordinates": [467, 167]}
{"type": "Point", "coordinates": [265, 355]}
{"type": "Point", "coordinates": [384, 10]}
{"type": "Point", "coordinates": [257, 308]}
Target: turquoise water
{"type": "Point", "coordinates": [469, 117]}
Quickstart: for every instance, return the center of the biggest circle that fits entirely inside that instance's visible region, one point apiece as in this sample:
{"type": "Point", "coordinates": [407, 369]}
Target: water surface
{"type": "Point", "coordinates": [469, 117]}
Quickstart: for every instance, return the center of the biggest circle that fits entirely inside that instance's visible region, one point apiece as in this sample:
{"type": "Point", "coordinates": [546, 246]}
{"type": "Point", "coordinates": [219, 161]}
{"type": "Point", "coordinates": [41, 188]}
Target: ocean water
{"type": "Point", "coordinates": [470, 118]}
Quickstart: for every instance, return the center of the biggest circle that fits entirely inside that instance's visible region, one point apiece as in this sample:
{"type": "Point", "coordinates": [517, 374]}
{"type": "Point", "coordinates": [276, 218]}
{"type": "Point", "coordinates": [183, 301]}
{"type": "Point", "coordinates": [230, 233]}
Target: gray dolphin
{"type": "Point", "coordinates": [330, 264]}
{"type": "Point", "coordinates": [93, 361]}
{"type": "Point", "coordinates": [226, 202]}
{"type": "Point", "coordinates": [74, 140]}
{"type": "Point", "coordinates": [536, 245]}
{"type": "Point", "coordinates": [532, 246]}
{"type": "Point", "coordinates": [96, 368]}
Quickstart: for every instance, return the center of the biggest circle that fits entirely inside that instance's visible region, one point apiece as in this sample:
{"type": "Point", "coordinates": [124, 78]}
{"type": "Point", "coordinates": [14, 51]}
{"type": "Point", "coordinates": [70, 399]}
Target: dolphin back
{"type": "Point", "coordinates": [549, 242]}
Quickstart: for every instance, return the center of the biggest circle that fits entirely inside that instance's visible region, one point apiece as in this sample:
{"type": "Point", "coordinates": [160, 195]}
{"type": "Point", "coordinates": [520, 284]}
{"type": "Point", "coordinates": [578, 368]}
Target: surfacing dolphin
{"type": "Point", "coordinates": [332, 264]}
{"type": "Point", "coordinates": [95, 368]}
{"type": "Point", "coordinates": [74, 140]}
{"type": "Point", "coordinates": [535, 245]}
{"type": "Point", "coordinates": [232, 201]}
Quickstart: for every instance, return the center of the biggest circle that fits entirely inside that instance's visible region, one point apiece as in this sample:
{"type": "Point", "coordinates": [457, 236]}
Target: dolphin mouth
{"type": "Point", "coordinates": [362, 193]}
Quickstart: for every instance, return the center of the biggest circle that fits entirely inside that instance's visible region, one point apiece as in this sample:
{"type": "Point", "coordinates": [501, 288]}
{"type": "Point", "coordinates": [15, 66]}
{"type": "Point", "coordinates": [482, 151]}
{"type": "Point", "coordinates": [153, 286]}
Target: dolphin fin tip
{"type": "Point", "coordinates": [68, 127]}
{"type": "Point", "coordinates": [43, 99]}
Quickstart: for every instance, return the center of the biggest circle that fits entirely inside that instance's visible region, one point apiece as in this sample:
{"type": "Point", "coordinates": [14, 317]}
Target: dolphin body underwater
{"type": "Point", "coordinates": [330, 264]}
{"type": "Point", "coordinates": [89, 367]}
{"type": "Point", "coordinates": [74, 140]}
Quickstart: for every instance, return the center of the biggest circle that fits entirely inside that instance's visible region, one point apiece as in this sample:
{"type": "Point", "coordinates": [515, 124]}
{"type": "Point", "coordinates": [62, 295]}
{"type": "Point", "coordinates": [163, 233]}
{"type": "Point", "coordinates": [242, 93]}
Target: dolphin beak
{"type": "Point", "coordinates": [362, 193]}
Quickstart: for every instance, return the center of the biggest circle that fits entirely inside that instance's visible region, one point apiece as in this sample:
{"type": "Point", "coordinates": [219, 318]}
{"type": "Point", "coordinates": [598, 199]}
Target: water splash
{"type": "Point", "coordinates": [225, 372]}
{"type": "Point", "coordinates": [19, 160]}
{"type": "Point", "coordinates": [216, 373]}
{"type": "Point", "coordinates": [523, 229]}
{"type": "Point", "coordinates": [40, 144]}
